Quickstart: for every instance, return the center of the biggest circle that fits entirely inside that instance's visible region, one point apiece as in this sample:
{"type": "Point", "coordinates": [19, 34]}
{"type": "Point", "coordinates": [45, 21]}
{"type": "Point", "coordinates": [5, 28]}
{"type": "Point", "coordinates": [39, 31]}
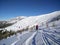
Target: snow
{"type": "Point", "coordinates": [23, 38]}
{"type": "Point", "coordinates": [16, 19]}
{"type": "Point", "coordinates": [13, 39]}
{"type": "Point", "coordinates": [8, 41]}
{"type": "Point", "coordinates": [43, 36]}
{"type": "Point", "coordinates": [28, 40]}
{"type": "Point", "coordinates": [33, 20]}
{"type": "Point", "coordinates": [18, 37]}
{"type": "Point", "coordinates": [14, 42]}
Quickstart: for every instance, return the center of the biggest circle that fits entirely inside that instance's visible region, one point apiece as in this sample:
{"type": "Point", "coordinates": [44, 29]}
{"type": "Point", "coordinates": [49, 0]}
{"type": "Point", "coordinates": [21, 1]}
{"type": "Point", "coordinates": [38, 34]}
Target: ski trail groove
{"type": "Point", "coordinates": [52, 38]}
{"type": "Point", "coordinates": [18, 38]}
{"type": "Point", "coordinates": [34, 43]}
{"type": "Point", "coordinates": [28, 40]}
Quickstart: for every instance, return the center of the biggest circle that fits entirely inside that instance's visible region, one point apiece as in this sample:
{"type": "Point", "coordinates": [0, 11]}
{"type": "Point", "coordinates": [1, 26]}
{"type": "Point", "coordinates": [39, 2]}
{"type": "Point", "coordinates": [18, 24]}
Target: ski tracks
{"type": "Point", "coordinates": [28, 40]}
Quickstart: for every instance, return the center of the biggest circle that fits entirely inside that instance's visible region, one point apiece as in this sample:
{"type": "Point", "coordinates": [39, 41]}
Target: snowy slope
{"type": "Point", "coordinates": [16, 19]}
{"type": "Point", "coordinates": [33, 20]}
{"type": "Point", "coordinates": [44, 36]}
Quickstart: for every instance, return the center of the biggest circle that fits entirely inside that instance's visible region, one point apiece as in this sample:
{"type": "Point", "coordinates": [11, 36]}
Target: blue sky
{"type": "Point", "coordinates": [13, 8]}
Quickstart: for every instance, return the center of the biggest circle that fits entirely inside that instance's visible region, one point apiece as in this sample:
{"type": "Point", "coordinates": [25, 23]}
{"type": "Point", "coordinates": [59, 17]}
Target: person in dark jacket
{"type": "Point", "coordinates": [36, 27]}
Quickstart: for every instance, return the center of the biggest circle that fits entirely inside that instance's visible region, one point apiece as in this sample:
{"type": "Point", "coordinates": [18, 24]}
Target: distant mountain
{"type": "Point", "coordinates": [55, 18]}
{"type": "Point", "coordinates": [34, 20]}
{"type": "Point", "coordinates": [10, 22]}
{"type": "Point", "coordinates": [16, 19]}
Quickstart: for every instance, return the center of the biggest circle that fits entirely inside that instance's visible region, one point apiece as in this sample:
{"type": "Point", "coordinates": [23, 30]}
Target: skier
{"type": "Point", "coordinates": [36, 27]}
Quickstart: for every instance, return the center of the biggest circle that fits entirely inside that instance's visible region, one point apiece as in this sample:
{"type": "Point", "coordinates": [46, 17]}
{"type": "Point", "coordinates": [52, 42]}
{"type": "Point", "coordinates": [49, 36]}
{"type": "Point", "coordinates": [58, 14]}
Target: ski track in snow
{"type": "Point", "coordinates": [14, 42]}
{"type": "Point", "coordinates": [45, 35]}
{"type": "Point", "coordinates": [18, 36]}
{"type": "Point", "coordinates": [35, 36]}
{"type": "Point", "coordinates": [30, 38]}
{"type": "Point", "coordinates": [52, 38]}
{"type": "Point", "coordinates": [24, 38]}
{"type": "Point", "coordinates": [50, 35]}
{"type": "Point", "coordinates": [34, 39]}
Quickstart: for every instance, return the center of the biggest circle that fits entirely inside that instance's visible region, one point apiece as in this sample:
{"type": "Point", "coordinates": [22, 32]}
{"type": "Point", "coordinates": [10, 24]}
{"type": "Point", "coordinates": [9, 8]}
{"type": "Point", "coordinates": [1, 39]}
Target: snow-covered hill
{"type": "Point", "coordinates": [6, 23]}
{"type": "Point", "coordinates": [16, 19]}
{"type": "Point", "coordinates": [34, 20]}
{"type": "Point", "coordinates": [43, 36]}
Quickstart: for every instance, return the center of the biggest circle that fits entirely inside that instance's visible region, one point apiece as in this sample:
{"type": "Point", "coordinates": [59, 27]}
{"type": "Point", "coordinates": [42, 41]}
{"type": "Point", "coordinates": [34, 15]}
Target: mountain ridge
{"type": "Point", "coordinates": [33, 20]}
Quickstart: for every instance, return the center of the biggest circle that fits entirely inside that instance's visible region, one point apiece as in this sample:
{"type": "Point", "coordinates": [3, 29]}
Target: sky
{"type": "Point", "coordinates": [13, 8]}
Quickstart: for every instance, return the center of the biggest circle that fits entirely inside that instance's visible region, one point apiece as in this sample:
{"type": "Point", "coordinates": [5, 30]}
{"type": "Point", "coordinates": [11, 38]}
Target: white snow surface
{"type": "Point", "coordinates": [44, 36]}
{"type": "Point", "coordinates": [28, 40]}
{"type": "Point", "coordinates": [33, 20]}
{"type": "Point", "coordinates": [16, 19]}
